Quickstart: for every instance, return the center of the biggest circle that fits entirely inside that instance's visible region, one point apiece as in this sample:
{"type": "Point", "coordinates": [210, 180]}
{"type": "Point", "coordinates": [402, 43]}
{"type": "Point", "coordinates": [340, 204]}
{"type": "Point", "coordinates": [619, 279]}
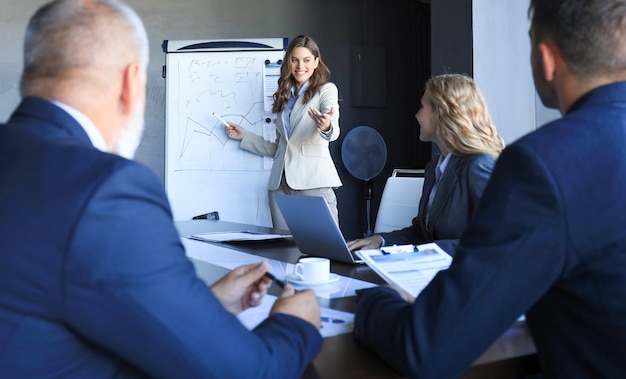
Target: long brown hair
{"type": "Point", "coordinates": [286, 81]}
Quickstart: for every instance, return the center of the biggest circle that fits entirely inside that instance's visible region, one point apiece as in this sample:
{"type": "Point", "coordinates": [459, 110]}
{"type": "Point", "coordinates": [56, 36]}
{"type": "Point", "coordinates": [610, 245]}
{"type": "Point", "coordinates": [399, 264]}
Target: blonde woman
{"type": "Point", "coordinates": [307, 108]}
{"type": "Point", "coordinates": [454, 116]}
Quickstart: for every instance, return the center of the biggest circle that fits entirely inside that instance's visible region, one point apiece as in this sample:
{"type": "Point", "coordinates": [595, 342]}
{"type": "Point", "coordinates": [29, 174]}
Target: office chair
{"type": "Point", "coordinates": [400, 200]}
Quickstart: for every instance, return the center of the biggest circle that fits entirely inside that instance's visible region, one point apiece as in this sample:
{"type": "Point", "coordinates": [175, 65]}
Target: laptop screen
{"type": "Point", "coordinates": [313, 227]}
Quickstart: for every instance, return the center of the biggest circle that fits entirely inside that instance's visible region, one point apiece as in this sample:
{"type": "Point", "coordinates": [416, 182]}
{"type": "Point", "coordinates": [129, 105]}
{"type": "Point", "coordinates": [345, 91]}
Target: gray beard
{"type": "Point", "coordinates": [130, 137]}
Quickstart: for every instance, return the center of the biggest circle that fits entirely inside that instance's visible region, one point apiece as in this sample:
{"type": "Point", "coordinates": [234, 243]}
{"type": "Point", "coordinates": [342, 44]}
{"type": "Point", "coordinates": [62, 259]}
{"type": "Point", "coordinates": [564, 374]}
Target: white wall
{"type": "Point", "coordinates": [13, 18]}
{"type": "Point", "coordinates": [502, 66]}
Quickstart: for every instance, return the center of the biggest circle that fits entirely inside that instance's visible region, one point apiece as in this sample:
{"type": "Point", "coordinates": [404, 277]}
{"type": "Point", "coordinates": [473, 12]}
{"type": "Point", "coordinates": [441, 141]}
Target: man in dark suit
{"type": "Point", "coordinates": [94, 281]}
{"type": "Point", "coordinates": [548, 238]}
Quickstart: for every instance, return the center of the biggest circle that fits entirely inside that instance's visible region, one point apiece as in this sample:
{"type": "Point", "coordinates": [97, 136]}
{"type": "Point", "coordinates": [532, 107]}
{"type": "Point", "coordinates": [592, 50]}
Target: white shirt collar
{"type": "Point", "coordinates": [92, 132]}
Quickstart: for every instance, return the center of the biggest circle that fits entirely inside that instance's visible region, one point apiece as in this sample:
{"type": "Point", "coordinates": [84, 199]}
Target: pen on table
{"type": "Point", "coordinates": [224, 122]}
{"type": "Point", "coordinates": [279, 282]}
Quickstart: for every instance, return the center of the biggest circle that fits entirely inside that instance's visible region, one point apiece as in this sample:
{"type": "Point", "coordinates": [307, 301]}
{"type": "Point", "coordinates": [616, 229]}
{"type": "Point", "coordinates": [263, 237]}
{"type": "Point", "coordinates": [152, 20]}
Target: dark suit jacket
{"type": "Point", "coordinates": [458, 193]}
{"type": "Point", "coordinates": [94, 281]}
{"type": "Point", "coordinates": [548, 240]}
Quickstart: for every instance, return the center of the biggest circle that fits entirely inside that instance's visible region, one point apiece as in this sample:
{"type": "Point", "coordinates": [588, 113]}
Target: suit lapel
{"type": "Point", "coordinates": [280, 125]}
{"type": "Point", "coordinates": [429, 182]}
{"type": "Point", "coordinates": [297, 113]}
{"type": "Point", "coordinates": [446, 186]}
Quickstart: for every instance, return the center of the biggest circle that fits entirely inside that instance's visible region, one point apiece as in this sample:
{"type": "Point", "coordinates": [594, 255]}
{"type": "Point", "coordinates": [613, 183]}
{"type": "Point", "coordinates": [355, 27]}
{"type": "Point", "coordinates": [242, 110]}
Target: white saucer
{"type": "Point", "coordinates": [292, 278]}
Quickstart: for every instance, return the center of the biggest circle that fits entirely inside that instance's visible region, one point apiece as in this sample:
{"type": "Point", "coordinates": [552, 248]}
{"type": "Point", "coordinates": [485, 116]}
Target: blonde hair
{"type": "Point", "coordinates": [462, 122]}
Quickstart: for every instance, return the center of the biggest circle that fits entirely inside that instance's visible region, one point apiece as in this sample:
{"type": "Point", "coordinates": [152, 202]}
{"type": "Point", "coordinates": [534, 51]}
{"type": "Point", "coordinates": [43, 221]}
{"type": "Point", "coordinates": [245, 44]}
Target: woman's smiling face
{"type": "Point", "coordinates": [303, 64]}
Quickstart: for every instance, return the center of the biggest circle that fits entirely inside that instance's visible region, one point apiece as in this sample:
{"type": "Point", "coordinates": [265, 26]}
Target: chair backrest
{"type": "Point", "coordinates": [400, 200]}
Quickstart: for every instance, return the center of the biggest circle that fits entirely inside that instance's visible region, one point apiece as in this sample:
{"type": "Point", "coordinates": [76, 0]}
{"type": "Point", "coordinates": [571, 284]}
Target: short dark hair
{"type": "Point", "coordinates": [590, 34]}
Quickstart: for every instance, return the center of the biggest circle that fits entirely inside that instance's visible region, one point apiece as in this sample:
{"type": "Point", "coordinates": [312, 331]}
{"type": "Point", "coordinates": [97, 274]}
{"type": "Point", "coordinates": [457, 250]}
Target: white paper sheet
{"type": "Point", "coordinates": [408, 267]}
{"type": "Point", "coordinates": [237, 236]}
{"type": "Point", "coordinates": [229, 258]}
{"type": "Point", "coordinates": [334, 322]}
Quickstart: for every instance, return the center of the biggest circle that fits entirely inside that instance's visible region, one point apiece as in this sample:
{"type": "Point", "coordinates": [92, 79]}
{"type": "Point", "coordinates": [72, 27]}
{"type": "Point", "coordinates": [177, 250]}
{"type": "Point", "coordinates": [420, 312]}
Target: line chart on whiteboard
{"type": "Point", "coordinates": [205, 170]}
{"type": "Point", "coordinates": [204, 145]}
{"type": "Point", "coordinates": [231, 85]}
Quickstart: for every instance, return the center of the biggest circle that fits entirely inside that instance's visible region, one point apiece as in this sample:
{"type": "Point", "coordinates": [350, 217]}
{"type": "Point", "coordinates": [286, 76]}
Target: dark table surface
{"type": "Point", "coordinates": [341, 356]}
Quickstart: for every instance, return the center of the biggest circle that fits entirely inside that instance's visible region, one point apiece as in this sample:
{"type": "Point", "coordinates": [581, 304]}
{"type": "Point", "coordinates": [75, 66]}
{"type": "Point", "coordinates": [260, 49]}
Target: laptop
{"type": "Point", "coordinates": [313, 227]}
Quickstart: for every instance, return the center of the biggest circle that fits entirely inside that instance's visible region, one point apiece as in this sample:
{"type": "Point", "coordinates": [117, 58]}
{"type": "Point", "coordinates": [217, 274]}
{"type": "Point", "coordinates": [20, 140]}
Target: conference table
{"type": "Point", "coordinates": [511, 356]}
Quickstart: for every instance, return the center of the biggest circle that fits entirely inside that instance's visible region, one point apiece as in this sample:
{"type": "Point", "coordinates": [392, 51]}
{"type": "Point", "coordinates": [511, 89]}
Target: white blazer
{"type": "Point", "coordinates": [303, 155]}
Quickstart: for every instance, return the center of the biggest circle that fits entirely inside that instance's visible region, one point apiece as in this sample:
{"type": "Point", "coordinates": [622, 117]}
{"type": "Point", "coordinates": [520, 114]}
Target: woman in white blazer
{"type": "Point", "coordinates": [307, 119]}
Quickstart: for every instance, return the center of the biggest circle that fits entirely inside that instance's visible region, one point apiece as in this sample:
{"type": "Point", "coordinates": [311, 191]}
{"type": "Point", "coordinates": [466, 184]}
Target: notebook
{"type": "Point", "coordinates": [313, 227]}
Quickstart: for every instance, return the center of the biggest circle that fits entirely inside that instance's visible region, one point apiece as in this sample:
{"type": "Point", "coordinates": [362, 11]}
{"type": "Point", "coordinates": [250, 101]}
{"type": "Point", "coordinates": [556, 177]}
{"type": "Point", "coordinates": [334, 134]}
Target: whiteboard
{"type": "Point", "coordinates": [206, 171]}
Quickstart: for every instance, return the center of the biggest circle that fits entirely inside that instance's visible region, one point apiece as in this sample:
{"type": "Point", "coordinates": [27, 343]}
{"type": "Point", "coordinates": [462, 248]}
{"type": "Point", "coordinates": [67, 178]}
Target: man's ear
{"type": "Point", "coordinates": [549, 56]}
{"type": "Point", "coordinates": [131, 86]}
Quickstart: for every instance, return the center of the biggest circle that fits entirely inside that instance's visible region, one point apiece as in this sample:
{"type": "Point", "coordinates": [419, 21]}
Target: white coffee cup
{"type": "Point", "coordinates": [312, 269]}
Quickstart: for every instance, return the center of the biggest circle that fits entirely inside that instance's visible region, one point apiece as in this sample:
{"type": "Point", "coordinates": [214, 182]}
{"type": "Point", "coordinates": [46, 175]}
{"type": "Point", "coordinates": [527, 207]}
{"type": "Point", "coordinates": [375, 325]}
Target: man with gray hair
{"type": "Point", "coordinates": [94, 280]}
{"type": "Point", "coordinates": [548, 238]}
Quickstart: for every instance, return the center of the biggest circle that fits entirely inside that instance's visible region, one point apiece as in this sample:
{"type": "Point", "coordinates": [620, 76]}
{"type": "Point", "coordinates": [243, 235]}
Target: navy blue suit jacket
{"type": "Point", "coordinates": [94, 281]}
{"type": "Point", "coordinates": [458, 192]}
{"type": "Point", "coordinates": [548, 240]}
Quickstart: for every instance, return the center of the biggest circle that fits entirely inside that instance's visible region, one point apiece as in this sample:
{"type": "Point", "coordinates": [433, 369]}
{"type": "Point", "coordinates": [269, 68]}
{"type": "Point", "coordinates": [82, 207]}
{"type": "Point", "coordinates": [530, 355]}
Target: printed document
{"type": "Point", "coordinates": [334, 322]}
{"type": "Point", "coordinates": [410, 267]}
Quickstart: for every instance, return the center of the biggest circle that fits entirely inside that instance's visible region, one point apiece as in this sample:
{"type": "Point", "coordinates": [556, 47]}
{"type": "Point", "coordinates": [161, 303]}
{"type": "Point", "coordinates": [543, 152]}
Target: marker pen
{"type": "Point", "coordinates": [226, 124]}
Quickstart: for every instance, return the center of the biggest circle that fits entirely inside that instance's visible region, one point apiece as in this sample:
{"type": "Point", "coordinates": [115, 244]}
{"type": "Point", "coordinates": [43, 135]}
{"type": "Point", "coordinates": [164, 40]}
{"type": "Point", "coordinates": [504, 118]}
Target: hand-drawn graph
{"type": "Point", "coordinates": [229, 84]}
{"type": "Point", "coordinates": [205, 170]}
